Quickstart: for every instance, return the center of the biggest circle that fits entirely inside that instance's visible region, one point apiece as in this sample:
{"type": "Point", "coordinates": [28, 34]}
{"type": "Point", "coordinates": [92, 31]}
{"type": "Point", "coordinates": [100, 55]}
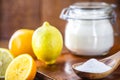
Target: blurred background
{"type": "Point", "coordinates": [30, 14]}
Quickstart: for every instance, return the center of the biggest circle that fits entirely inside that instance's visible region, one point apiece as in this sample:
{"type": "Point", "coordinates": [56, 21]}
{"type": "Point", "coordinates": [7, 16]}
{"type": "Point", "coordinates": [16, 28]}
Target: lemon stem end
{"type": "Point", "coordinates": [46, 24]}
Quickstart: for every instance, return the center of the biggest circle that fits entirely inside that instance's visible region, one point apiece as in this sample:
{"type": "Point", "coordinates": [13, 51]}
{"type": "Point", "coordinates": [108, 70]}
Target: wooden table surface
{"type": "Point", "coordinates": [62, 69]}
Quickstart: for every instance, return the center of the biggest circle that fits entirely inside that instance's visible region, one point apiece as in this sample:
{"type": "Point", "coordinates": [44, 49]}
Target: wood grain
{"type": "Point", "coordinates": [16, 14]}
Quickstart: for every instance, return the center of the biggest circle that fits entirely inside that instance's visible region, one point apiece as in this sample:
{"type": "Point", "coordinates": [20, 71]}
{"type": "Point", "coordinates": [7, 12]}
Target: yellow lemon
{"type": "Point", "coordinates": [47, 43]}
{"type": "Point", "coordinates": [5, 59]}
{"type": "Point", "coordinates": [23, 67]}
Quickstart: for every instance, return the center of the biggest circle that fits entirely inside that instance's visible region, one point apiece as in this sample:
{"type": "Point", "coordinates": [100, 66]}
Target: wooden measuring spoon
{"type": "Point", "coordinates": [113, 61]}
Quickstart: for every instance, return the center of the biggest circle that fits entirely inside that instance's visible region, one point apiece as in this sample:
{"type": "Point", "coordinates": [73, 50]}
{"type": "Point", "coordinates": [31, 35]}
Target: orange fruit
{"type": "Point", "coordinates": [20, 42]}
{"type": "Point", "coordinates": [23, 67]}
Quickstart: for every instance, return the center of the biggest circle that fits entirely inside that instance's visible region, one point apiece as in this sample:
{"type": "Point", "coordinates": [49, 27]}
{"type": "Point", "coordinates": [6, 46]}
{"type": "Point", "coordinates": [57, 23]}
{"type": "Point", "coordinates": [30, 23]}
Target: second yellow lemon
{"type": "Point", "coordinates": [47, 43]}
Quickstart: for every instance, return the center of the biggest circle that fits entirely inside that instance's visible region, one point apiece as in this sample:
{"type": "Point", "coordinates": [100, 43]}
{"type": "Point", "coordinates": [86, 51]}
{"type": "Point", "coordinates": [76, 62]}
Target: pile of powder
{"type": "Point", "coordinates": [93, 66]}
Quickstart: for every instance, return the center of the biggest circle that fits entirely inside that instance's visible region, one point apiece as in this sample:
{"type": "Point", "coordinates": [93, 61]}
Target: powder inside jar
{"type": "Point", "coordinates": [93, 66]}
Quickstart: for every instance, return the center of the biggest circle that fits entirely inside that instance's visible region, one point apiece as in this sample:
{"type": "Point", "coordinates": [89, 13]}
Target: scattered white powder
{"type": "Point", "coordinates": [93, 66]}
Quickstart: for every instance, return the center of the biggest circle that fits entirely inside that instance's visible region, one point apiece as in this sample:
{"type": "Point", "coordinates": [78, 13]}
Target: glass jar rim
{"type": "Point", "coordinates": [88, 11]}
{"type": "Point", "coordinates": [92, 5]}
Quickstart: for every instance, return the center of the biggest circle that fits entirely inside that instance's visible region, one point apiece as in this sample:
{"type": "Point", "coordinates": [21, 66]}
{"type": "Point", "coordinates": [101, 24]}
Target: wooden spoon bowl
{"type": "Point", "coordinates": [113, 61]}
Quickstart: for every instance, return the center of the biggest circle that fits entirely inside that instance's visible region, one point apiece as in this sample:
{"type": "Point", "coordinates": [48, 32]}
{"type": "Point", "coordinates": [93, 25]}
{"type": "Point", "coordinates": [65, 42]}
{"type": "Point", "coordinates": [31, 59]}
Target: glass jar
{"type": "Point", "coordinates": [89, 31]}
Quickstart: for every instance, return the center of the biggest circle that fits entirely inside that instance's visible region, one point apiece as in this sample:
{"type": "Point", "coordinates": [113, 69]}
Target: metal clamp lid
{"type": "Point", "coordinates": [90, 10]}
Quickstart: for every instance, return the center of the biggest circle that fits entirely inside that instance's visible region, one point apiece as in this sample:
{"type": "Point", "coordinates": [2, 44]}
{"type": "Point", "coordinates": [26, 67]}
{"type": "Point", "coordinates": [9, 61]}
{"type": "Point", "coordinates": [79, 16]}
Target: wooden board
{"type": "Point", "coordinates": [62, 70]}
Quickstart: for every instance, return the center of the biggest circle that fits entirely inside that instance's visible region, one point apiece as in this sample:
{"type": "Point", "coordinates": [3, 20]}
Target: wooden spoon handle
{"type": "Point", "coordinates": [113, 60]}
{"type": "Point", "coordinates": [115, 56]}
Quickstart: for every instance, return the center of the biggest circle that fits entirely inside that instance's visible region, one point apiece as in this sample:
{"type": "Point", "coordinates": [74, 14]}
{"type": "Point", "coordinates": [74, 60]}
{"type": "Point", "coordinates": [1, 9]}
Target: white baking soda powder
{"type": "Point", "coordinates": [93, 66]}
